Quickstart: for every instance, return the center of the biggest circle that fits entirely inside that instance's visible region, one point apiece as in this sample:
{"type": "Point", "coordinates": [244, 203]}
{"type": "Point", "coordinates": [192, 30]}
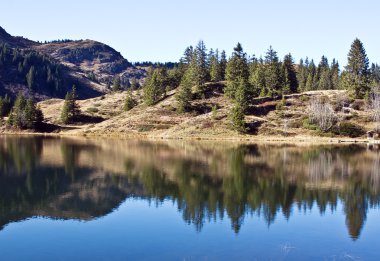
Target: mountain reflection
{"type": "Point", "coordinates": [84, 179]}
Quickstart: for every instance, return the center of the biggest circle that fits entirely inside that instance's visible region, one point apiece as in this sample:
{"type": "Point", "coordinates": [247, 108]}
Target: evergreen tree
{"type": "Point", "coordinates": [70, 110]}
{"type": "Point", "coordinates": [5, 105]}
{"type": "Point", "coordinates": [237, 69]}
{"type": "Point", "coordinates": [155, 86]}
{"type": "Point", "coordinates": [223, 65]}
{"type": "Point", "coordinates": [32, 114]}
{"type": "Point", "coordinates": [30, 77]}
{"type": "Point", "coordinates": [199, 66]}
{"type": "Point", "coordinates": [184, 94]}
{"type": "Point", "coordinates": [290, 74]}
{"type": "Point", "coordinates": [273, 73]}
{"type": "Point", "coordinates": [215, 70]}
{"type": "Point", "coordinates": [335, 71]}
{"type": "Point", "coordinates": [24, 114]}
{"type": "Point", "coordinates": [237, 118]}
{"type": "Point", "coordinates": [19, 119]}
{"type": "Point", "coordinates": [324, 82]}
{"type": "Point", "coordinates": [302, 75]}
{"type": "Point", "coordinates": [129, 101]}
{"type": "Point", "coordinates": [242, 95]}
{"type": "Point", "coordinates": [310, 77]}
{"type": "Point", "coordinates": [357, 69]}
{"type": "Point", "coordinates": [116, 86]}
{"type": "Point", "coordinates": [187, 55]}
{"type": "Point", "coordinates": [257, 79]}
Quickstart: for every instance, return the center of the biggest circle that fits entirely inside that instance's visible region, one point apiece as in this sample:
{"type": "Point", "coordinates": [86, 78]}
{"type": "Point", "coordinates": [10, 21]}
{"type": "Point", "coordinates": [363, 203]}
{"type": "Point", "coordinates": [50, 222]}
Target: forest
{"type": "Point", "coordinates": [246, 77]}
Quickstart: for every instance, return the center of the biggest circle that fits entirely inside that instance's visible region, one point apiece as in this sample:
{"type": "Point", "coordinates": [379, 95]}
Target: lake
{"type": "Point", "coordinates": [85, 199]}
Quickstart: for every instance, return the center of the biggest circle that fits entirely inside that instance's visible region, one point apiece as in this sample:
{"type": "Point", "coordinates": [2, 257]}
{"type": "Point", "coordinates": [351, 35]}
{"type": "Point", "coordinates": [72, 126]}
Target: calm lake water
{"type": "Point", "coordinates": [78, 199]}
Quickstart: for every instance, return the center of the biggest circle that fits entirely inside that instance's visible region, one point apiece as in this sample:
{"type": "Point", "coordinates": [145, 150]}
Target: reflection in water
{"type": "Point", "coordinates": [84, 179]}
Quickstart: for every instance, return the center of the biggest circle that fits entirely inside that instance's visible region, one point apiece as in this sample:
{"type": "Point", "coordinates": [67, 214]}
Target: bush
{"type": "Point", "coordinates": [92, 110]}
{"type": "Point", "coordinates": [349, 129]}
{"type": "Point", "coordinates": [358, 105]}
{"type": "Point", "coordinates": [308, 125]}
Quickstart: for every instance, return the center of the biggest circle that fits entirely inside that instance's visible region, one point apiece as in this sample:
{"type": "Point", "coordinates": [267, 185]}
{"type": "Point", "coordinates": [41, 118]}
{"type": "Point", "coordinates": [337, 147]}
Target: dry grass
{"type": "Point", "coordinates": [265, 120]}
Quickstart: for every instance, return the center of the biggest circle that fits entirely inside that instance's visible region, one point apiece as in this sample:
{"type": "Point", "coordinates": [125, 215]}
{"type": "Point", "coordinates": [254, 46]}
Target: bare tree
{"type": "Point", "coordinates": [375, 106]}
{"type": "Point", "coordinates": [321, 113]}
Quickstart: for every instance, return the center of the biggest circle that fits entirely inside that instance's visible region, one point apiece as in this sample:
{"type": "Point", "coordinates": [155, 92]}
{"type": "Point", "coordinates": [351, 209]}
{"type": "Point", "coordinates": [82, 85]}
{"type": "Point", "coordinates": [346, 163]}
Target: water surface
{"type": "Point", "coordinates": [79, 199]}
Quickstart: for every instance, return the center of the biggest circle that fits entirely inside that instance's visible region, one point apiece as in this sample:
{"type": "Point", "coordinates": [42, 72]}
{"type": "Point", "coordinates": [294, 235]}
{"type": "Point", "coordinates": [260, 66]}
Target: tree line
{"type": "Point", "coordinates": [31, 68]}
{"type": "Point", "coordinates": [247, 77]}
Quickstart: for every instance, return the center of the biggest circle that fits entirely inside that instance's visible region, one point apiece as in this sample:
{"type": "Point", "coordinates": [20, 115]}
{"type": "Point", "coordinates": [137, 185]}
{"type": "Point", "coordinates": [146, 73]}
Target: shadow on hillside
{"type": "Point", "coordinates": [85, 119]}
{"type": "Point", "coordinates": [261, 110]}
{"type": "Point", "coordinates": [253, 127]}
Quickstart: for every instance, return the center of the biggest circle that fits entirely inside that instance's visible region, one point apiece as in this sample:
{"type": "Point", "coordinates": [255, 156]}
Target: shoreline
{"type": "Point", "coordinates": [271, 139]}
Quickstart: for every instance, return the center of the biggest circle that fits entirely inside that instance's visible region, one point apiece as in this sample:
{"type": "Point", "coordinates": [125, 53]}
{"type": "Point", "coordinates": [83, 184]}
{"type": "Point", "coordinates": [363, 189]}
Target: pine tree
{"type": "Point", "coordinates": [19, 119]}
{"type": "Point", "coordinates": [357, 69]}
{"type": "Point", "coordinates": [70, 110]}
{"type": "Point", "coordinates": [223, 65]}
{"type": "Point", "coordinates": [30, 77]}
{"type": "Point", "coordinates": [273, 73]}
{"type": "Point", "coordinates": [116, 86]}
{"type": "Point", "coordinates": [237, 118]}
{"type": "Point", "coordinates": [290, 74]}
{"type": "Point", "coordinates": [155, 86]}
{"type": "Point", "coordinates": [215, 70]}
{"type": "Point", "coordinates": [129, 102]}
{"type": "Point", "coordinates": [199, 66]}
{"type": "Point", "coordinates": [184, 94]}
{"type": "Point", "coordinates": [33, 115]}
{"type": "Point", "coordinates": [310, 77]}
{"type": "Point", "coordinates": [334, 74]}
{"type": "Point", "coordinates": [242, 95]}
{"type": "Point", "coordinates": [257, 79]}
{"type": "Point", "coordinates": [237, 69]}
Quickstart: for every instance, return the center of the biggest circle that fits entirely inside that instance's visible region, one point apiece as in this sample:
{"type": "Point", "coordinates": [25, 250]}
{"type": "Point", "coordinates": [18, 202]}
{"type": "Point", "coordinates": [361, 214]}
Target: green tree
{"type": "Point", "coordinates": [237, 118]}
{"type": "Point", "coordinates": [335, 74]}
{"type": "Point", "coordinates": [30, 77]}
{"type": "Point", "coordinates": [223, 65]}
{"type": "Point", "coordinates": [70, 110]}
{"type": "Point", "coordinates": [290, 74]}
{"type": "Point", "coordinates": [215, 70]}
{"type": "Point", "coordinates": [129, 101]}
{"type": "Point", "coordinates": [273, 73]}
{"type": "Point", "coordinates": [33, 114]}
{"type": "Point", "coordinates": [242, 95]}
{"type": "Point", "coordinates": [237, 69]}
{"type": "Point", "coordinates": [24, 114]}
{"type": "Point", "coordinates": [19, 119]}
{"type": "Point", "coordinates": [155, 85]}
{"type": "Point", "coordinates": [116, 85]}
{"type": "Point", "coordinates": [358, 69]}
{"type": "Point", "coordinates": [5, 105]}
{"type": "Point", "coordinates": [184, 94]}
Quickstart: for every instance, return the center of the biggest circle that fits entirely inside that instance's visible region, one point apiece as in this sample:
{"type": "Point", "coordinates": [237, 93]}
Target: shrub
{"type": "Point", "coordinates": [92, 110]}
{"type": "Point", "coordinates": [349, 129]}
{"type": "Point", "coordinates": [358, 105]}
{"type": "Point", "coordinates": [321, 113]}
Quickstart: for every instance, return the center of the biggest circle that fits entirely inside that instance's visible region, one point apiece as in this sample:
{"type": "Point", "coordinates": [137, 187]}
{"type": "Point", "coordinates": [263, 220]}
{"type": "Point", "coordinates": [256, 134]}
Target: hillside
{"type": "Point", "coordinates": [88, 64]}
{"type": "Point", "coordinates": [265, 119]}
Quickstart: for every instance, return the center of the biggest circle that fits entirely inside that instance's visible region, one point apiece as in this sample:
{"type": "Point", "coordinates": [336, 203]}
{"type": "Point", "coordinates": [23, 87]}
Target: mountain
{"type": "Point", "coordinates": [48, 70]}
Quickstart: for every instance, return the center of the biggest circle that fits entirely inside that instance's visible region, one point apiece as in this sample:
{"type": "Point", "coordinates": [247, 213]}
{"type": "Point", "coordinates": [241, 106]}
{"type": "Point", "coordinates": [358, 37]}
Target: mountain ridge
{"type": "Point", "coordinates": [88, 64]}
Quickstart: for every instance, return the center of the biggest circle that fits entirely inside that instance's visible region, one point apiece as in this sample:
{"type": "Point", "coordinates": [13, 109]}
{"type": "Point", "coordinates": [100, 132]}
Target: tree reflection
{"type": "Point", "coordinates": [70, 179]}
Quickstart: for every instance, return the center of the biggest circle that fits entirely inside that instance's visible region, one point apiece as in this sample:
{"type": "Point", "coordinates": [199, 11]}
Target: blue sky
{"type": "Point", "coordinates": [160, 30]}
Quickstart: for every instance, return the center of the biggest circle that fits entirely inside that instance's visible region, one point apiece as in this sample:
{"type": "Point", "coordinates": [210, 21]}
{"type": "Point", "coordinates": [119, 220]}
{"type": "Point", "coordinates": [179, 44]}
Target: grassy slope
{"type": "Point", "coordinates": [162, 120]}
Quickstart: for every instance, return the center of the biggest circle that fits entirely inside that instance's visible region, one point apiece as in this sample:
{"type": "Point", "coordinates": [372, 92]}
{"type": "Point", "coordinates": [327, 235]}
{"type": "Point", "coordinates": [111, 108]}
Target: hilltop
{"type": "Point", "coordinates": [88, 64]}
